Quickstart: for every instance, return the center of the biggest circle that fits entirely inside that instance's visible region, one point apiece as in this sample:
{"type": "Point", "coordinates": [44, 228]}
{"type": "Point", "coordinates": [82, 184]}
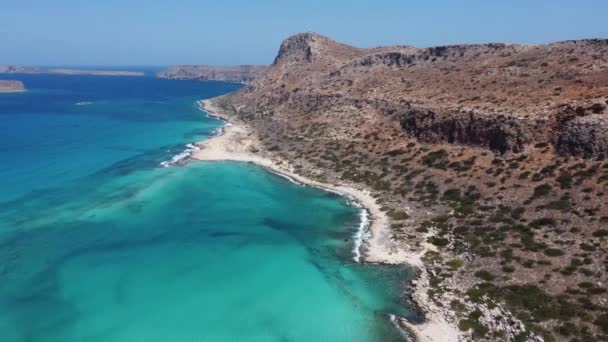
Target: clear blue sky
{"type": "Point", "coordinates": [223, 32]}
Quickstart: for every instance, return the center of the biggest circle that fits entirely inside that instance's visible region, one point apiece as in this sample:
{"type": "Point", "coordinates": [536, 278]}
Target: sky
{"type": "Point", "coordinates": [229, 32]}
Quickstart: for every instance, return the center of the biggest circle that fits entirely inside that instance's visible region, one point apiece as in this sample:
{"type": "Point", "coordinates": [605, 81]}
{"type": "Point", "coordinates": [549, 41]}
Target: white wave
{"type": "Point", "coordinates": [181, 157]}
{"type": "Point", "coordinates": [84, 103]}
{"type": "Point", "coordinates": [361, 234]}
{"type": "Point", "coordinates": [403, 332]}
{"type": "Point", "coordinates": [292, 180]}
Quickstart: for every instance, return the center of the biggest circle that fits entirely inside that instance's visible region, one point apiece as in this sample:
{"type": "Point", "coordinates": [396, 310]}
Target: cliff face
{"type": "Point", "coordinates": [502, 97]}
{"type": "Point", "coordinates": [11, 86]}
{"type": "Point", "coordinates": [241, 73]}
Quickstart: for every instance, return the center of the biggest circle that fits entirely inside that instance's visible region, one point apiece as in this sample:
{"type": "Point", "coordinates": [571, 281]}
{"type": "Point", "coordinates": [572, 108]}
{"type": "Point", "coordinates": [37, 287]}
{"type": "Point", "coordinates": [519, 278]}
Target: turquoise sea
{"type": "Point", "coordinates": [100, 243]}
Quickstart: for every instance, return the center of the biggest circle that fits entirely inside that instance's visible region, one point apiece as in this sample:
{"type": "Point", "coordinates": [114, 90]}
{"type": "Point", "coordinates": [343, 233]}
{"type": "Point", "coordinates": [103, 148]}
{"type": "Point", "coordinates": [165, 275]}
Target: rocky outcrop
{"type": "Point", "coordinates": [11, 86]}
{"type": "Point", "coordinates": [499, 133]}
{"type": "Point", "coordinates": [240, 73]}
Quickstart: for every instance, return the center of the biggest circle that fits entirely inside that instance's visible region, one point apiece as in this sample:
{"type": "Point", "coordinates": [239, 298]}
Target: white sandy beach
{"type": "Point", "coordinates": [238, 143]}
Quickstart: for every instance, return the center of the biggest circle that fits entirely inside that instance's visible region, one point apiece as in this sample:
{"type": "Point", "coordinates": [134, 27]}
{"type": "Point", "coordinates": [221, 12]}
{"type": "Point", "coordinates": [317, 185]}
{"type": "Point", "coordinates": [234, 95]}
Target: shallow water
{"type": "Point", "coordinates": [98, 243]}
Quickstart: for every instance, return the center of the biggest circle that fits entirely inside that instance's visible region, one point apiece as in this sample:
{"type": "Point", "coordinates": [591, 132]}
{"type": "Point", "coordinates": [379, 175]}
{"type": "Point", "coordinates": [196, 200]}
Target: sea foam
{"type": "Point", "coordinates": [361, 234]}
{"type": "Point", "coordinates": [182, 157]}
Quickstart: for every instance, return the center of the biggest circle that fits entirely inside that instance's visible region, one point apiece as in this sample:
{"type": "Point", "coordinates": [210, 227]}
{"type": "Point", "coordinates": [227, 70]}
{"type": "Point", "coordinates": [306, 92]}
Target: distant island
{"type": "Point", "coordinates": [12, 69]}
{"type": "Point", "coordinates": [9, 86]}
{"type": "Point", "coordinates": [239, 73]}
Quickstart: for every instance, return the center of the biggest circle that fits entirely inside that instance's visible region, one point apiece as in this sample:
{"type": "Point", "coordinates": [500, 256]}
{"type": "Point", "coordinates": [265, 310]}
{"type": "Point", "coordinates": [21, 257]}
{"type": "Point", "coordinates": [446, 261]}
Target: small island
{"type": "Point", "coordinates": [8, 86]}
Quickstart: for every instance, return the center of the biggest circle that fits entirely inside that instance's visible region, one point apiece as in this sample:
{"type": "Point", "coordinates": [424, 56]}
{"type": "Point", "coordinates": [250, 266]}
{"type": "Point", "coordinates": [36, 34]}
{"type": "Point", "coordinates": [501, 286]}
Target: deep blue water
{"type": "Point", "coordinates": [100, 243]}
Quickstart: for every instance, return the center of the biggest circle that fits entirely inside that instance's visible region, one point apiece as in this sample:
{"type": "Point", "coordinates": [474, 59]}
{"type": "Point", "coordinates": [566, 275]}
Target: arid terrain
{"type": "Point", "coordinates": [498, 150]}
{"type": "Point", "coordinates": [240, 73]}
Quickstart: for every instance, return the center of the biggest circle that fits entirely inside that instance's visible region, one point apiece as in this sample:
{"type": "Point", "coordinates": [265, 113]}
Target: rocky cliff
{"type": "Point", "coordinates": [503, 97]}
{"type": "Point", "coordinates": [240, 73]}
{"type": "Point", "coordinates": [11, 86]}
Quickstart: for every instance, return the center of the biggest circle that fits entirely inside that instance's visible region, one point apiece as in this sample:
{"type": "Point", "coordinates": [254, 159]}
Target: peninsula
{"type": "Point", "coordinates": [239, 73]}
{"type": "Point", "coordinates": [11, 69]}
{"type": "Point", "coordinates": [482, 165]}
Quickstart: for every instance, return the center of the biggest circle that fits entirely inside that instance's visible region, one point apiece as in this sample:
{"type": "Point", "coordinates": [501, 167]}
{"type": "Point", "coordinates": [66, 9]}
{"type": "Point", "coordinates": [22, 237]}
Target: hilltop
{"type": "Point", "coordinates": [487, 158]}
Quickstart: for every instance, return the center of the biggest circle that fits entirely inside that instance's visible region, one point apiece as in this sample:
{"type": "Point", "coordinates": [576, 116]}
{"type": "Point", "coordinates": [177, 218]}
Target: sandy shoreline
{"type": "Point", "coordinates": [238, 143]}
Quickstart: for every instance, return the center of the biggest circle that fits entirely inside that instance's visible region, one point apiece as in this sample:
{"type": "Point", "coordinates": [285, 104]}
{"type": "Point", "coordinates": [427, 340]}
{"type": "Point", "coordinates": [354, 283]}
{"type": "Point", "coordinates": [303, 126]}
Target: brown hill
{"type": "Point", "coordinates": [500, 96]}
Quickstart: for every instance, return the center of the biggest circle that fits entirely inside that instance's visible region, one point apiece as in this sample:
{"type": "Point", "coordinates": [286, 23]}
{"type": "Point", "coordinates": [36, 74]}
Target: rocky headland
{"type": "Point", "coordinates": [488, 161]}
{"type": "Point", "coordinates": [8, 86]}
{"type": "Point", "coordinates": [239, 73]}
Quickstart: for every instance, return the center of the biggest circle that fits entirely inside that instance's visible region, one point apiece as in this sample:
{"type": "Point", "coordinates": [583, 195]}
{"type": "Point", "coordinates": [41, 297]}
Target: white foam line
{"type": "Point", "coordinates": [403, 332]}
{"type": "Point", "coordinates": [361, 234]}
{"type": "Point", "coordinates": [190, 148]}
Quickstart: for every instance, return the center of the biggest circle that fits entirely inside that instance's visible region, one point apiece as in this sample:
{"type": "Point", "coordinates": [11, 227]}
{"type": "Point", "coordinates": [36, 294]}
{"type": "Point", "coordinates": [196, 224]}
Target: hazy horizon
{"type": "Point", "coordinates": [158, 33]}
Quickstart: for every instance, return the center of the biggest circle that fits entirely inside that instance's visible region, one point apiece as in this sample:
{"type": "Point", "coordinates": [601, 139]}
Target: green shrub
{"type": "Point", "coordinates": [602, 322]}
{"type": "Point", "coordinates": [553, 252]}
{"type": "Point", "coordinates": [541, 190]}
{"type": "Point", "coordinates": [451, 195]}
{"type": "Point", "coordinates": [565, 180]}
{"type": "Point", "coordinates": [484, 275]}
{"type": "Point", "coordinates": [543, 221]}
{"type": "Point", "coordinates": [455, 263]}
{"type": "Point", "coordinates": [438, 241]}
{"type": "Point", "coordinates": [600, 233]}
{"type": "Point", "coordinates": [437, 159]}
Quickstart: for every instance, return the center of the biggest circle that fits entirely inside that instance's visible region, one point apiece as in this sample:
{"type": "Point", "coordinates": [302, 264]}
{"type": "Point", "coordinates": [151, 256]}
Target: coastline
{"type": "Point", "coordinates": [237, 142]}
